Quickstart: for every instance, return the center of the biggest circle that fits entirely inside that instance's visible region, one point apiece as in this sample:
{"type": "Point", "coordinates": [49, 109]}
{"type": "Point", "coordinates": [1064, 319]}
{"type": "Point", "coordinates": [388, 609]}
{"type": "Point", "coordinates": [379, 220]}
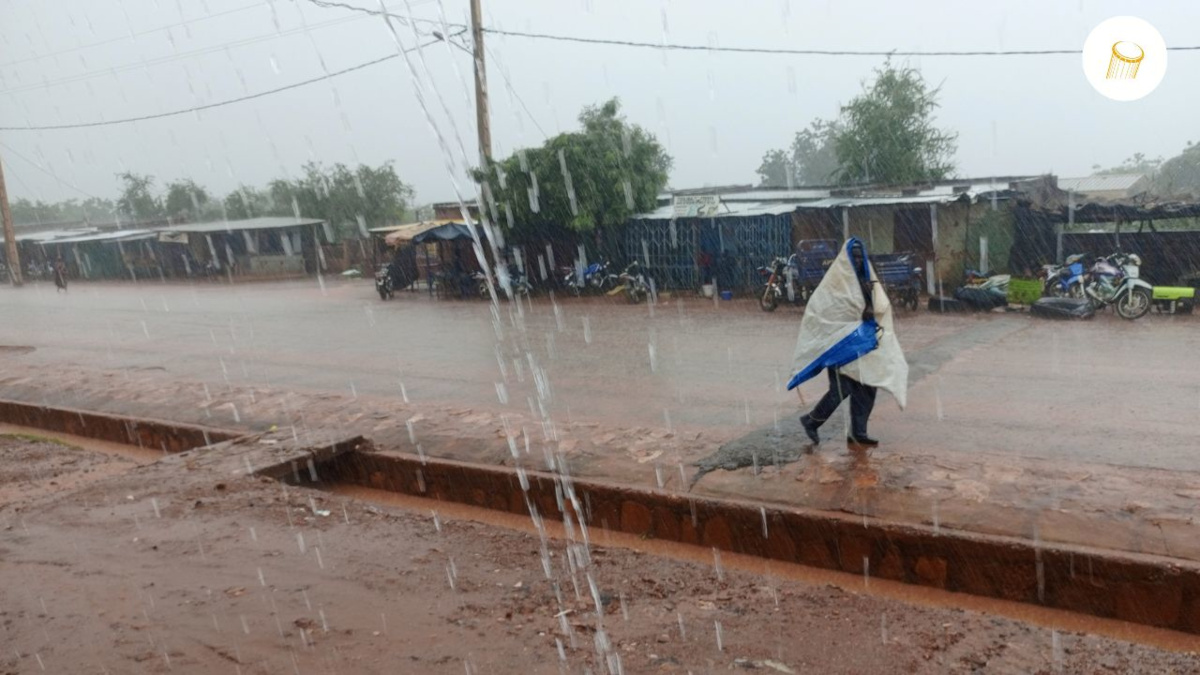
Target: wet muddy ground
{"type": "Point", "coordinates": [1106, 391]}
{"type": "Point", "coordinates": [1015, 426]}
{"type": "Point", "coordinates": [141, 571]}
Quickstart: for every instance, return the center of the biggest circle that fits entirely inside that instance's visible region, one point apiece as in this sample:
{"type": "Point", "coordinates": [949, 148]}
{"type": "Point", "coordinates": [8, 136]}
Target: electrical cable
{"type": "Point", "coordinates": [218, 104]}
{"type": "Point", "coordinates": [39, 167]}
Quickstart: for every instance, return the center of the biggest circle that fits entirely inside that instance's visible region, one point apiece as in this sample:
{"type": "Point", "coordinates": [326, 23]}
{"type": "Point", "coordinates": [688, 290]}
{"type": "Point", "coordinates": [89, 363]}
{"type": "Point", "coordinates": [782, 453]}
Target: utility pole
{"type": "Point", "coordinates": [10, 237]}
{"type": "Point", "coordinates": [482, 122]}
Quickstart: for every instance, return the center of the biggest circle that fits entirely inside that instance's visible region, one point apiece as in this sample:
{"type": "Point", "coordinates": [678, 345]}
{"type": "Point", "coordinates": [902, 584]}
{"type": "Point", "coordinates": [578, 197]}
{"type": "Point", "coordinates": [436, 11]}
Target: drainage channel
{"type": "Point", "coordinates": [1108, 585]}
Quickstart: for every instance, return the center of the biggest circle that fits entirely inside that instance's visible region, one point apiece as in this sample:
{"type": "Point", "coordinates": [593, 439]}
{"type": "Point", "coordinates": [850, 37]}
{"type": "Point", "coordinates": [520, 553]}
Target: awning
{"type": "Point", "coordinates": [447, 232]}
{"type": "Point", "coordinates": [399, 234]}
{"type": "Point", "coordinates": [118, 235]}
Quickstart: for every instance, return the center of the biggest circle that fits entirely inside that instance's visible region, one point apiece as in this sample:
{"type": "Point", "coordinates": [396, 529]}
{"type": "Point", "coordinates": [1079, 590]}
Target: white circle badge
{"type": "Point", "coordinates": [1124, 58]}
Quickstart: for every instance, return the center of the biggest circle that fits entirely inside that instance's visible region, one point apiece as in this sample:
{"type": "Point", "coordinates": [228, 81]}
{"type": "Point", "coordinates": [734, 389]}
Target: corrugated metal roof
{"type": "Point", "coordinates": [728, 210]}
{"type": "Point", "coordinates": [119, 235]}
{"type": "Point", "coordinates": [47, 236]}
{"type": "Point", "coordinates": [1116, 182]}
{"type": "Point", "coordinates": [838, 202]}
{"type": "Point", "coordinates": [401, 233]}
{"type": "Point", "coordinates": [265, 223]}
{"type": "Point", "coordinates": [798, 194]}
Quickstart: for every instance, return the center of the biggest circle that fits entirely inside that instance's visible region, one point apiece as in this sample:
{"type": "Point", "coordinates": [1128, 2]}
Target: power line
{"type": "Point", "coordinates": [511, 88]}
{"type": "Point", "coordinates": [795, 52]}
{"type": "Point", "coordinates": [218, 104]}
{"type": "Point", "coordinates": [129, 36]}
{"type": "Point", "coordinates": [44, 170]}
{"type": "Point", "coordinates": [174, 57]}
{"type": "Point", "coordinates": [735, 50]}
{"type": "Point", "coordinates": [406, 20]}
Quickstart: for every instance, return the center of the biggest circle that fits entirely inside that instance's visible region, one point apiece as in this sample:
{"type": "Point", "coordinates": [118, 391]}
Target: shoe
{"type": "Point", "coordinates": [810, 429]}
{"type": "Point", "coordinates": [862, 440]}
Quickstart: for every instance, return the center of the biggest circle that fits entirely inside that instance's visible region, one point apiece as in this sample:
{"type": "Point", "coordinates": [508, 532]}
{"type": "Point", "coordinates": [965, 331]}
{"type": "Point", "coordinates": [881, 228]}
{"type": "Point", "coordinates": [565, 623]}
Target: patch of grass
{"type": "Point", "coordinates": [34, 438]}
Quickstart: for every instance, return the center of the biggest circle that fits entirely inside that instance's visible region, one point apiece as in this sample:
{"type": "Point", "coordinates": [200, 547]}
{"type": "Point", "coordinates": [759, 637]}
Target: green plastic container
{"type": "Point", "coordinates": [1174, 293]}
{"type": "Point", "coordinates": [1024, 291]}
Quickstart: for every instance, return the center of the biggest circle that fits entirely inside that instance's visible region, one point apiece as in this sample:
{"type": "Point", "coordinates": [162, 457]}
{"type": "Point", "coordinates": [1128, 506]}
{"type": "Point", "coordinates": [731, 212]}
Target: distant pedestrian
{"type": "Point", "coordinates": [60, 275]}
{"type": "Point", "coordinates": [847, 329]}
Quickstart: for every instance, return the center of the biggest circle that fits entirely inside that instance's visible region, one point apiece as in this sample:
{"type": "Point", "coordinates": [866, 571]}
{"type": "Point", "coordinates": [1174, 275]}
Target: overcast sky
{"type": "Point", "coordinates": [75, 61]}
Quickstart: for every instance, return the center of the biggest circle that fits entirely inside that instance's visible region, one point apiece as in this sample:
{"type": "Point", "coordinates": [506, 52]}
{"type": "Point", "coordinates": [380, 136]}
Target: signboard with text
{"type": "Point", "coordinates": [696, 206]}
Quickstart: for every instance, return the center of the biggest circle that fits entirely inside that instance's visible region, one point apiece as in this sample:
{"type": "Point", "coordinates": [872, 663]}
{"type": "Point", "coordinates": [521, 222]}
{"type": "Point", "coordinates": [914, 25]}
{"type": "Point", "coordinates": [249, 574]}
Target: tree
{"type": "Point", "coordinates": [1180, 175]}
{"type": "Point", "coordinates": [69, 210]}
{"type": "Point", "coordinates": [247, 202]}
{"type": "Point", "coordinates": [776, 170]}
{"type": "Point", "coordinates": [185, 199]}
{"type": "Point", "coordinates": [888, 135]}
{"type": "Point", "coordinates": [585, 180]}
{"type": "Point", "coordinates": [813, 159]}
{"type": "Point", "coordinates": [137, 201]}
{"type": "Point", "coordinates": [1138, 163]}
{"type": "Point", "coordinates": [350, 200]}
{"type": "Point", "coordinates": [884, 135]}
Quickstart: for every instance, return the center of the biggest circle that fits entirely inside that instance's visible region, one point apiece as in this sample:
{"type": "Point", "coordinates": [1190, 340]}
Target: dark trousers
{"type": "Point", "coordinates": [862, 401]}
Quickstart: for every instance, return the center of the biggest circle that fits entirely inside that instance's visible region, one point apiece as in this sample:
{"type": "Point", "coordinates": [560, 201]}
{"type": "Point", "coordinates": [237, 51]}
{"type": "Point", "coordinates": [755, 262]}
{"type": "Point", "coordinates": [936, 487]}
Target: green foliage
{"type": "Point", "coordinates": [1138, 163]}
{"type": "Point", "coordinates": [884, 135]}
{"type": "Point", "coordinates": [812, 161]}
{"type": "Point", "coordinates": [70, 210]}
{"type": "Point", "coordinates": [185, 199]}
{"type": "Point", "coordinates": [137, 200]}
{"type": "Point", "coordinates": [1179, 177]}
{"type": "Point", "coordinates": [888, 135]}
{"type": "Point", "coordinates": [348, 199]}
{"type": "Point", "coordinates": [584, 180]}
{"type": "Point", "coordinates": [247, 202]}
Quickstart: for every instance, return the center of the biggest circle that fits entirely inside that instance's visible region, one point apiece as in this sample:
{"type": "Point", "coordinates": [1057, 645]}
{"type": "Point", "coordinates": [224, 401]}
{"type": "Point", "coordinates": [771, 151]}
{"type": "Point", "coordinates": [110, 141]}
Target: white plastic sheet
{"type": "Point", "coordinates": [834, 311]}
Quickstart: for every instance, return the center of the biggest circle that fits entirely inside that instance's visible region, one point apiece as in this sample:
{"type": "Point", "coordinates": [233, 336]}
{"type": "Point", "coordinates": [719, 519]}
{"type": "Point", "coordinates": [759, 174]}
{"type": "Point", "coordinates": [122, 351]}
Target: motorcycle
{"type": "Point", "coordinates": [779, 285]}
{"type": "Point", "coordinates": [595, 277]}
{"type": "Point", "coordinates": [1066, 280]}
{"type": "Point", "coordinates": [1115, 281]}
{"type": "Point", "coordinates": [518, 282]}
{"type": "Point", "coordinates": [637, 288]}
{"type": "Point", "coordinates": [383, 282]}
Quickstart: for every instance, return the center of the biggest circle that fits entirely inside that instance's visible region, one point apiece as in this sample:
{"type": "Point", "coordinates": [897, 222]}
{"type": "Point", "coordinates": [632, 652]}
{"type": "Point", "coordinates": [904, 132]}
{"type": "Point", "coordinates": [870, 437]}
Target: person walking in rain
{"type": "Point", "coordinates": [847, 329]}
{"type": "Point", "coordinates": [60, 275]}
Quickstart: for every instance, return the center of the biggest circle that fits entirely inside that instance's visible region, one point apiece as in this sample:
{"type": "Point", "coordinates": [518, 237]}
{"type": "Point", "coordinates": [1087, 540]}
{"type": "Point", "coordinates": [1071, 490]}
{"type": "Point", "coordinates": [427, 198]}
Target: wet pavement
{"type": "Point", "coordinates": [1082, 433]}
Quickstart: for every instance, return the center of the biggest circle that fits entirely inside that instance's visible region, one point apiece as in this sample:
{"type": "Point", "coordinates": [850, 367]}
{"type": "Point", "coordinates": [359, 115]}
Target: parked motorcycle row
{"type": "Point", "coordinates": [793, 279]}
{"type": "Point", "coordinates": [1113, 280]}
{"type": "Point", "coordinates": [512, 276]}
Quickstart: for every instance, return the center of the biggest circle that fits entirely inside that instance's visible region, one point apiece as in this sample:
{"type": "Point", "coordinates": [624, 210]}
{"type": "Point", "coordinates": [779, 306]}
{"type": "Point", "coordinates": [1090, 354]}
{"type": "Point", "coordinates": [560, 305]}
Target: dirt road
{"type": "Point", "coordinates": [111, 565]}
{"type": "Point", "coordinates": [1105, 391]}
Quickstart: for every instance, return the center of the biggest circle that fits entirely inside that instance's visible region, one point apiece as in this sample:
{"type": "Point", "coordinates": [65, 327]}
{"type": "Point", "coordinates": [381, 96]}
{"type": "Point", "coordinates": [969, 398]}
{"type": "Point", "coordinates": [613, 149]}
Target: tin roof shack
{"type": "Point", "coordinates": [694, 242]}
{"type": "Point", "coordinates": [268, 247]}
{"type": "Point", "coordinates": [1115, 187]}
{"type": "Point", "coordinates": [109, 255]}
{"type": "Point", "coordinates": [951, 227]}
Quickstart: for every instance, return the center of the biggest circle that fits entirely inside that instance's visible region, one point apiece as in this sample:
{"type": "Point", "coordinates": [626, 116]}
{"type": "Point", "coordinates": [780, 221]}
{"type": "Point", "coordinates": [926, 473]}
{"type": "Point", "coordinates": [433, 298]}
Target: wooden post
{"type": "Point", "coordinates": [10, 237]}
{"type": "Point", "coordinates": [482, 122]}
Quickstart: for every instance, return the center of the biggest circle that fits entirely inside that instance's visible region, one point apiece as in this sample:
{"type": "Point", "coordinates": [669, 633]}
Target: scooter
{"type": "Point", "coordinates": [1115, 281]}
{"type": "Point", "coordinates": [637, 288]}
{"type": "Point", "coordinates": [383, 282]}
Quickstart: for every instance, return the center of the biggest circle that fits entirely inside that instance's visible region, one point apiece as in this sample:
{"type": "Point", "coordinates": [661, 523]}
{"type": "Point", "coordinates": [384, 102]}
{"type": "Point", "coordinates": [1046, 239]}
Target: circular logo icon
{"type": "Point", "coordinates": [1124, 58]}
